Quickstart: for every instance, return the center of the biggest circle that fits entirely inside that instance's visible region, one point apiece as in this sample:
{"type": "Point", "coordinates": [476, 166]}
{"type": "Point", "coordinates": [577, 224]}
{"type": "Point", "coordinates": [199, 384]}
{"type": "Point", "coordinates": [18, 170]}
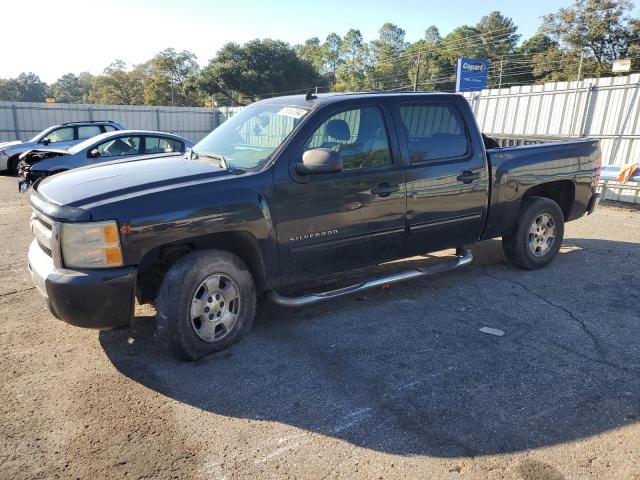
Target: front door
{"type": "Point", "coordinates": [337, 221]}
{"type": "Point", "coordinates": [446, 174]}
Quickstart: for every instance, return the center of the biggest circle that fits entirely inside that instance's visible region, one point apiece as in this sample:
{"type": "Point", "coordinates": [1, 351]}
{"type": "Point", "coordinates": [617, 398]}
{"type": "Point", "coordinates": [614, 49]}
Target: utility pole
{"type": "Point", "coordinates": [415, 78]}
{"type": "Point", "coordinates": [500, 77]}
{"type": "Point", "coordinates": [575, 95]}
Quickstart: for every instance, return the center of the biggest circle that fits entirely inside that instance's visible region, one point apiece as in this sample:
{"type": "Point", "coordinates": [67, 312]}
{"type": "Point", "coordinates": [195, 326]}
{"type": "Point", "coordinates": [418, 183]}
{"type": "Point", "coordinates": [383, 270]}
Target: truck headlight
{"type": "Point", "coordinates": [91, 245]}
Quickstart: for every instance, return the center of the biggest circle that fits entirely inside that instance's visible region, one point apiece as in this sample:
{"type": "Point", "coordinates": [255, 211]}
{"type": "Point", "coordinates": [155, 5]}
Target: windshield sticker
{"type": "Point", "coordinates": [292, 112]}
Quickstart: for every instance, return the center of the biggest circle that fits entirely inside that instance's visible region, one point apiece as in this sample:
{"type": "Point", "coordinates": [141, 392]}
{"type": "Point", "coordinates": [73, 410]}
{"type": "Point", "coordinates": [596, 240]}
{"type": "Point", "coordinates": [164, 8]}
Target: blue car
{"type": "Point", "coordinates": [118, 145]}
{"type": "Point", "coordinates": [60, 137]}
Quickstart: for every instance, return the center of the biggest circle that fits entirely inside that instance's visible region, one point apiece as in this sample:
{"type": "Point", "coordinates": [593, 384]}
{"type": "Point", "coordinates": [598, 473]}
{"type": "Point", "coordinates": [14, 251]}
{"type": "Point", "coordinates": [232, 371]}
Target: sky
{"type": "Point", "coordinates": [54, 38]}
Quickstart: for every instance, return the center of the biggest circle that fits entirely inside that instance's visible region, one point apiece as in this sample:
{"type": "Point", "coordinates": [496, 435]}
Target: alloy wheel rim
{"type": "Point", "coordinates": [542, 235]}
{"type": "Point", "coordinates": [215, 306]}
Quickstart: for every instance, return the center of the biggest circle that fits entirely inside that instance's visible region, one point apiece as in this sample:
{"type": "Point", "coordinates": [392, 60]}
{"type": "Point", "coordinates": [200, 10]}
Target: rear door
{"type": "Point", "coordinates": [333, 222]}
{"type": "Point", "coordinates": [446, 173]}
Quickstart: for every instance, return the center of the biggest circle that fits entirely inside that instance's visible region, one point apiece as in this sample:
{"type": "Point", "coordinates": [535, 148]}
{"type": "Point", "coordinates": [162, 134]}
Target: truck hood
{"type": "Point", "coordinates": [124, 178]}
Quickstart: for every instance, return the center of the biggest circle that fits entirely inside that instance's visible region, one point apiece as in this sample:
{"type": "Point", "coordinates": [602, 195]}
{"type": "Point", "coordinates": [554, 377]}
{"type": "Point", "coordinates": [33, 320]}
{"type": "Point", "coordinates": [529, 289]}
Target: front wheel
{"type": "Point", "coordinates": [207, 302]}
{"type": "Point", "coordinates": [538, 234]}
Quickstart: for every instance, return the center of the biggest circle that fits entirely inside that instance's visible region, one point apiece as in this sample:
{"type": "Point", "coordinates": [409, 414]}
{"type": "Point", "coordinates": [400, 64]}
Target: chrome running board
{"type": "Point", "coordinates": [464, 257]}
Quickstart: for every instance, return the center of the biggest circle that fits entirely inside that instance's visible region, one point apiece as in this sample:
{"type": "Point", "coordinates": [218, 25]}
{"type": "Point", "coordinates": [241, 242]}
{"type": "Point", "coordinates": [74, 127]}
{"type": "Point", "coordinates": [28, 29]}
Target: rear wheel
{"type": "Point", "coordinates": [538, 234]}
{"type": "Point", "coordinates": [207, 302]}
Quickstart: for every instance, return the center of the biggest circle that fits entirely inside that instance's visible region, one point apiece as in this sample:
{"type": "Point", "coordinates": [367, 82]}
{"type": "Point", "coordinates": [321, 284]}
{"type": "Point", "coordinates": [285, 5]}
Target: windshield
{"type": "Point", "coordinates": [78, 147]}
{"type": "Point", "coordinates": [40, 135]}
{"type": "Point", "coordinates": [248, 138]}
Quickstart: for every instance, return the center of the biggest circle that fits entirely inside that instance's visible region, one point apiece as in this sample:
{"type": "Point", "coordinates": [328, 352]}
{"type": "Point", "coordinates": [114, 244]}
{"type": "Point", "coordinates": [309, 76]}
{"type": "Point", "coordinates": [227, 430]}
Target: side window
{"type": "Point", "coordinates": [119, 146]}
{"type": "Point", "coordinates": [109, 128]}
{"type": "Point", "coordinates": [64, 134]}
{"type": "Point", "coordinates": [161, 145]}
{"type": "Point", "coordinates": [359, 135]}
{"type": "Point", "coordinates": [169, 145]}
{"type": "Point", "coordinates": [434, 132]}
{"type": "Point", "coordinates": [88, 131]}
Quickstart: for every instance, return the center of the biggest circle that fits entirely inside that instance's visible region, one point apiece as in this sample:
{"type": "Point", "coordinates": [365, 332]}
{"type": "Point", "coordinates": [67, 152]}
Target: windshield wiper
{"type": "Point", "coordinates": [229, 167]}
{"type": "Point", "coordinates": [215, 156]}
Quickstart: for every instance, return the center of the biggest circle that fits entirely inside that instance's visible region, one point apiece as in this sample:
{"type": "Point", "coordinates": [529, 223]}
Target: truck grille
{"type": "Point", "coordinates": [45, 249]}
{"type": "Point", "coordinates": [45, 223]}
{"type": "Point", "coordinates": [43, 229]}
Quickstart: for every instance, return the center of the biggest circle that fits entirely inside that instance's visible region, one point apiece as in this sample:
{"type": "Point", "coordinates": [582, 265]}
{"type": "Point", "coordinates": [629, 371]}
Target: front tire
{"type": "Point", "coordinates": [538, 234]}
{"type": "Point", "coordinates": [206, 303]}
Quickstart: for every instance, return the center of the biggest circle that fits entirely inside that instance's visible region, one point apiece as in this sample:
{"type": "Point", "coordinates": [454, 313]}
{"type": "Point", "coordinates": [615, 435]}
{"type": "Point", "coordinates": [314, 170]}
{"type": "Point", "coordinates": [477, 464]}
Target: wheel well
{"type": "Point", "coordinates": [563, 192]}
{"type": "Point", "coordinates": [159, 260]}
{"type": "Point", "coordinates": [12, 162]}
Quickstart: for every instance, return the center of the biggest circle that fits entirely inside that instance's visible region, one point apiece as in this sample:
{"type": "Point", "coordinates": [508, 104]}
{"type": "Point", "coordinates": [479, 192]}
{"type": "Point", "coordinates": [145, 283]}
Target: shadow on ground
{"type": "Point", "coordinates": [405, 370]}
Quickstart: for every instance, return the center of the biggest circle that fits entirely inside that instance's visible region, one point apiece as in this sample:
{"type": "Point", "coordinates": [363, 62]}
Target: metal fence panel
{"type": "Point", "coordinates": [22, 120]}
{"type": "Point", "coordinates": [607, 109]}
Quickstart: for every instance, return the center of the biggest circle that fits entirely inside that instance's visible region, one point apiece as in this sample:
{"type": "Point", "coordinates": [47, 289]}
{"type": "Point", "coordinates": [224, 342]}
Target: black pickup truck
{"type": "Point", "coordinates": [289, 190]}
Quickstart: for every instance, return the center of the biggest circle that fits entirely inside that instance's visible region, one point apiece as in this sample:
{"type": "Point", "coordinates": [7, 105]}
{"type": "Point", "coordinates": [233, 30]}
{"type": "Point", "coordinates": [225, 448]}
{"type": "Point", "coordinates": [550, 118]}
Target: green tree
{"type": "Point", "coordinates": [166, 78]}
{"type": "Point", "coordinates": [85, 82]}
{"type": "Point", "coordinates": [600, 28]}
{"type": "Point", "coordinates": [332, 56]}
{"type": "Point", "coordinates": [355, 63]}
{"type": "Point", "coordinates": [434, 72]}
{"type": "Point", "coordinates": [119, 86]}
{"type": "Point", "coordinates": [243, 73]}
{"type": "Point", "coordinates": [390, 67]}
{"type": "Point", "coordinates": [463, 41]}
{"type": "Point", "coordinates": [313, 52]}
{"type": "Point", "coordinates": [497, 34]}
{"type": "Point", "coordinates": [67, 89]}
{"type": "Point", "coordinates": [519, 68]}
{"type": "Point", "coordinates": [26, 88]}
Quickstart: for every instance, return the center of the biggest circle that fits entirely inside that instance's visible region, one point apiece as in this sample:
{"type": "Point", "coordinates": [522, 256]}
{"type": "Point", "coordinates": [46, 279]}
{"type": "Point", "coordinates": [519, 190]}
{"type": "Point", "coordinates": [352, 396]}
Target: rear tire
{"type": "Point", "coordinates": [206, 303]}
{"type": "Point", "coordinates": [537, 236]}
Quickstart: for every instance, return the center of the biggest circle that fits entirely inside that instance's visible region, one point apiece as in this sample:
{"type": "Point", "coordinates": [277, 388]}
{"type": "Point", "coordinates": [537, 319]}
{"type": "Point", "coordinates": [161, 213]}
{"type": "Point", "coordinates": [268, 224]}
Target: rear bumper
{"type": "Point", "coordinates": [594, 201]}
{"type": "Point", "coordinates": [101, 299]}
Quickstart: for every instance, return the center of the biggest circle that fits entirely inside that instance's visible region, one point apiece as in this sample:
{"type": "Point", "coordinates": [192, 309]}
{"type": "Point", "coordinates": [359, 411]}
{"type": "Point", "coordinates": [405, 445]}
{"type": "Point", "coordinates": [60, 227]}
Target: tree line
{"type": "Point", "coordinates": [591, 34]}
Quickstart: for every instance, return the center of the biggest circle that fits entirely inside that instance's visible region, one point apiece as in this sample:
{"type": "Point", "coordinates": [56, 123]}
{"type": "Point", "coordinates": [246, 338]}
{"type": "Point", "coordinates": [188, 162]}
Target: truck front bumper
{"type": "Point", "coordinates": [102, 299]}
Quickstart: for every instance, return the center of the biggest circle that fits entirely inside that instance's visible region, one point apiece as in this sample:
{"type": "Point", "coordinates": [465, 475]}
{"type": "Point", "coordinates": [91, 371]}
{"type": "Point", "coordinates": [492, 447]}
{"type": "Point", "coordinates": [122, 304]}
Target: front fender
{"type": "Point", "coordinates": [193, 214]}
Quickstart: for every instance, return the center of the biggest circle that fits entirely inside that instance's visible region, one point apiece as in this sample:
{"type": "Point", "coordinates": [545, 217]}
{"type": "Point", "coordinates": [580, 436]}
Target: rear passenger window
{"type": "Point", "coordinates": [162, 145]}
{"type": "Point", "coordinates": [88, 132]}
{"type": "Point", "coordinates": [109, 128]}
{"type": "Point", "coordinates": [434, 132]}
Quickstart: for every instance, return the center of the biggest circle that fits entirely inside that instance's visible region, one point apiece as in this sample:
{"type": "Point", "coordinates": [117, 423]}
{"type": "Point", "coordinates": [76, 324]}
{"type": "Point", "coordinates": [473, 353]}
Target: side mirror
{"type": "Point", "coordinates": [319, 160]}
{"type": "Point", "coordinates": [46, 141]}
{"type": "Point", "coordinates": [94, 153]}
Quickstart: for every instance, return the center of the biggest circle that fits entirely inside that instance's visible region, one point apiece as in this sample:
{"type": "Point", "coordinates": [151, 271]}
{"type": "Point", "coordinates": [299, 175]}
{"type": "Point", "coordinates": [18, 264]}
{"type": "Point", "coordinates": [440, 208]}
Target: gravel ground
{"type": "Point", "coordinates": [395, 384]}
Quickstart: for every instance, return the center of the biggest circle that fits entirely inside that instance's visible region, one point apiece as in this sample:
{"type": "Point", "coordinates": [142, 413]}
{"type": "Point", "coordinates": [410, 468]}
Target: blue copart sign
{"type": "Point", "coordinates": [472, 74]}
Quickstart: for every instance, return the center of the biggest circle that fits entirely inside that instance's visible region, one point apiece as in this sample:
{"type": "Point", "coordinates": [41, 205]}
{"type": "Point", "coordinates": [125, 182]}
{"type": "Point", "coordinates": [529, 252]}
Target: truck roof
{"type": "Point", "coordinates": [326, 98]}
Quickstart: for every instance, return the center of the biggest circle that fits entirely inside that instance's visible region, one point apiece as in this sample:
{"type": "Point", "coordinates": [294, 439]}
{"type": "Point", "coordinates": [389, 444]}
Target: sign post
{"type": "Point", "coordinates": [472, 74]}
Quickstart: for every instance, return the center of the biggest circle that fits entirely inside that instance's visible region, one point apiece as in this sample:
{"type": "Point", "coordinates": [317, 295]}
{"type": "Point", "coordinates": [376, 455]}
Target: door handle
{"type": "Point", "coordinates": [467, 176]}
{"type": "Point", "coordinates": [385, 189]}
